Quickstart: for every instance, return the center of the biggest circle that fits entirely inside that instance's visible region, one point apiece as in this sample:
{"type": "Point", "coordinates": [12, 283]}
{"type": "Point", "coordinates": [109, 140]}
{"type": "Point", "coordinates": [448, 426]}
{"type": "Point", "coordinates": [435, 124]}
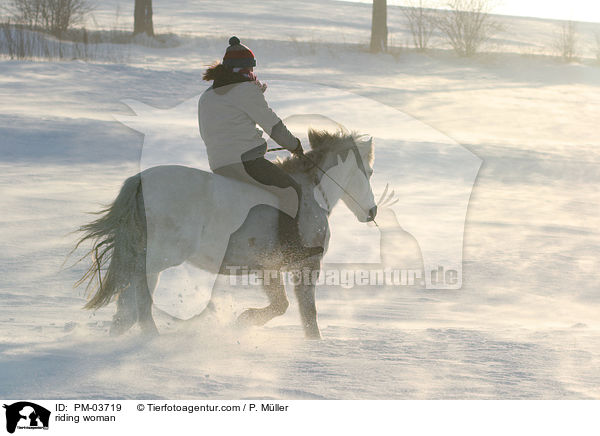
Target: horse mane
{"type": "Point", "coordinates": [321, 142]}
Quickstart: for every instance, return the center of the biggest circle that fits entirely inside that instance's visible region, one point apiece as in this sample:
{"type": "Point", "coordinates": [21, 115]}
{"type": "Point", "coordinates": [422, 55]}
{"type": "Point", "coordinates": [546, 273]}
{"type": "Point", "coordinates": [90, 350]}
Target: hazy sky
{"type": "Point", "coordinates": [578, 10]}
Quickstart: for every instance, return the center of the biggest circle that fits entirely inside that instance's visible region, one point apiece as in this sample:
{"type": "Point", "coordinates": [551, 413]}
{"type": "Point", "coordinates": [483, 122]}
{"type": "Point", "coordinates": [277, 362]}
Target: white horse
{"type": "Point", "coordinates": [168, 215]}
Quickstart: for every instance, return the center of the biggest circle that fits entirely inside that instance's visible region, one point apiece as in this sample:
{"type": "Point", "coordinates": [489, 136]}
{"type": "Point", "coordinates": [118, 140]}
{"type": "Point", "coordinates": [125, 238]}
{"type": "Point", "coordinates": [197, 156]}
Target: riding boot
{"type": "Point", "coordinates": [269, 174]}
{"type": "Point", "coordinates": [291, 242]}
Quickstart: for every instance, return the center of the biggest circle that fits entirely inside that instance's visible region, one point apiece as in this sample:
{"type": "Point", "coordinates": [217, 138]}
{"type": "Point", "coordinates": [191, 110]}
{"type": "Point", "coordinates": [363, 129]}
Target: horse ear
{"type": "Point", "coordinates": [365, 140]}
{"type": "Point", "coordinates": [313, 138]}
{"type": "Point", "coordinates": [365, 144]}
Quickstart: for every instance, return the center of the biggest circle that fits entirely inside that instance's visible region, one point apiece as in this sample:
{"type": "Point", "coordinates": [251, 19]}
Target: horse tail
{"type": "Point", "coordinates": [119, 238]}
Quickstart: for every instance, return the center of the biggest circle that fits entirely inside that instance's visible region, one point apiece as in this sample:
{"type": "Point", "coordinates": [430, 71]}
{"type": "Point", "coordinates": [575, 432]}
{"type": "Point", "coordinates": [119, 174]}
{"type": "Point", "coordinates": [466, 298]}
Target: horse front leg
{"type": "Point", "coordinates": [305, 294]}
{"type": "Point", "coordinates": [273, 286]}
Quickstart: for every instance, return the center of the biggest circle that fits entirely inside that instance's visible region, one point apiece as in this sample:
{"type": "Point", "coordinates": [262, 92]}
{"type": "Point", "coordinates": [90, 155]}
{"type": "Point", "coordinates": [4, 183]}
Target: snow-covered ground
{"type": "Point", "coordinates": [523, 325]}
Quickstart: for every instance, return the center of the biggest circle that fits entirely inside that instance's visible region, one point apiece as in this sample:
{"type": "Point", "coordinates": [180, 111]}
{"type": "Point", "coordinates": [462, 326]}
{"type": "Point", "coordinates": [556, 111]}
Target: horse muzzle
{"type": "Point", "coordinates": [372, 214]}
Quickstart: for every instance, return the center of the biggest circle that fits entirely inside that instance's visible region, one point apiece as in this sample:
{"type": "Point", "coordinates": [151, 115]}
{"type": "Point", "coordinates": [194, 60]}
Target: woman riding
{"type": "Point", "coordinates": [228, 113]}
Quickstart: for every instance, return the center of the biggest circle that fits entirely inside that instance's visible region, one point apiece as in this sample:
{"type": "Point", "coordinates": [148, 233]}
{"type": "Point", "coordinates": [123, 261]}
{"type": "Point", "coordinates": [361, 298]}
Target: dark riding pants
{"type": "Point", "coordinates": [266, 173]}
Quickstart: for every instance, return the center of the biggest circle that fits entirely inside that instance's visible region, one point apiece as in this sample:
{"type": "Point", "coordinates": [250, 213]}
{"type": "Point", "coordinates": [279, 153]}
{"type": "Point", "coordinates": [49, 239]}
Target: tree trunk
{"type": "Point", "coordinates": [379, 31]}
{"type": "Point", "coordinates": [142, 17]}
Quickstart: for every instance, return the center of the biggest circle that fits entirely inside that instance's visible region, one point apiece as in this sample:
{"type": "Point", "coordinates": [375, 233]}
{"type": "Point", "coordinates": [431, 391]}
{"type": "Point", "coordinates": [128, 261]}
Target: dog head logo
{"type": "Point", "coordinates": [26, 415]}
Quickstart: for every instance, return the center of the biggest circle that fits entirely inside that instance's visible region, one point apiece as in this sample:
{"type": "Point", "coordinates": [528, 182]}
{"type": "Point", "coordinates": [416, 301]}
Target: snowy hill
{"type": "Point", "coordinates": [523, 325]}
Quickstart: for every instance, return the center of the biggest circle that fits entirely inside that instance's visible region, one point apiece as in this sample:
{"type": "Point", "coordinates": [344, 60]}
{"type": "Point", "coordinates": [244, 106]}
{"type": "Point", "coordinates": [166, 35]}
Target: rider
{"type": "Point", "coordinates": [228, 112]}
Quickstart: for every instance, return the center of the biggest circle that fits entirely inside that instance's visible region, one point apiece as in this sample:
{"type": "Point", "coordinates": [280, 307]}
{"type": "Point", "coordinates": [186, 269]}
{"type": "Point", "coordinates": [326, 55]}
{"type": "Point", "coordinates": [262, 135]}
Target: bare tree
{"type": "Point", "coordinates": [379, 30]}
{"type": "Point", "coordinates": [467, 25]}
{"type": "Point", "coordinates": [142, 17]}
{"type": "Point", "coordinates": [54, 16]}
{"type": "Point", "coordinates": [26, 12]}
{"type": "Point", "coordinates": [421, 23]}
{"type": "Point", "coordinates": [566, 41]}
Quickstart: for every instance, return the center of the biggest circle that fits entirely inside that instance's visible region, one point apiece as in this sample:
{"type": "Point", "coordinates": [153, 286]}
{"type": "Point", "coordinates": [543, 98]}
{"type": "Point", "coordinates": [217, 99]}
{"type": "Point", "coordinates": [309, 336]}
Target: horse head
{"type": "Point", "coordinates": [347, 160]}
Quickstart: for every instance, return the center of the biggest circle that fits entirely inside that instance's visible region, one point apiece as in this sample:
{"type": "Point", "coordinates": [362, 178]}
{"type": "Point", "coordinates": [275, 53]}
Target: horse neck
{"type": "Point", "coordinates": [307, 183]}
{"type": "Point", "coordinates": [324, 187]}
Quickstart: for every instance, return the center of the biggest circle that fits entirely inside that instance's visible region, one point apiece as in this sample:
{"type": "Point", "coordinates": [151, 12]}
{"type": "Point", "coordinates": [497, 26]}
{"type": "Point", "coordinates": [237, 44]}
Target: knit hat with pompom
{"type": "Point", "coordinates": [238, 55]}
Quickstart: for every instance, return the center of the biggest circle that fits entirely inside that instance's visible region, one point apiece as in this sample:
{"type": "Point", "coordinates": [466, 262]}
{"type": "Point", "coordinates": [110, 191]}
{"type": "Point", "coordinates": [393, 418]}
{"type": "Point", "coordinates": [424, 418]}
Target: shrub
{"type": "Point", "coordinates": [566, 41]}
{"type": "Point", "coordinates": [421, 23]}
{"type": "Point", "coordinates": [467, 25]}
{"type": "Point", "coordinates": [54, 16]}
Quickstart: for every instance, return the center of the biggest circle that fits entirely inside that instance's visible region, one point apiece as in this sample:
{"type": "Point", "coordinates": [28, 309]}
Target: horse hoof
{"type": "Point", "coordinates": [313, 334]}
{"type": "Point", "coordinates": [150, 331]}
{"type": "Point", "coordinates": [248, 318]}
{"type": "Point", "coordinates": [119, 327]}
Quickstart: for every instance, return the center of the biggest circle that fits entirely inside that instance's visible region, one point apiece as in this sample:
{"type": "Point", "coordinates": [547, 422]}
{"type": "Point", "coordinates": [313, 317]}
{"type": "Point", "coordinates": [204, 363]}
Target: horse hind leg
{"type": "Point", "coordinates": [134, 303]}
{"type": "Point", "coordinates": [278, 304]}
{"type": "Point", "coordinates": [126, 315]}
{"type": "Point", "coordinates": [143, 297]}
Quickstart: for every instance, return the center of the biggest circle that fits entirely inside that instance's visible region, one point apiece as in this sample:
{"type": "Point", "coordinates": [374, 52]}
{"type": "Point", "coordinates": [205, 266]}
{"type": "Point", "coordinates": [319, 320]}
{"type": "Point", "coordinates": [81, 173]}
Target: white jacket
{"type": "Point", "coordinates": [227, 117]}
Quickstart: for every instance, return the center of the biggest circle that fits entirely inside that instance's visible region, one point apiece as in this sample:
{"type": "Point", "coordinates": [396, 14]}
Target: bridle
{"type": "Point", "coordinates": [316, 181]}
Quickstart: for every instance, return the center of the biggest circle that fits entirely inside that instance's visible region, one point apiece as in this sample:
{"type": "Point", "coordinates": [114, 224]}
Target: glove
{"type": "Point", "coordinates": [261, 86]}
{"type": "Point", "coordinates": [298, 151]}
